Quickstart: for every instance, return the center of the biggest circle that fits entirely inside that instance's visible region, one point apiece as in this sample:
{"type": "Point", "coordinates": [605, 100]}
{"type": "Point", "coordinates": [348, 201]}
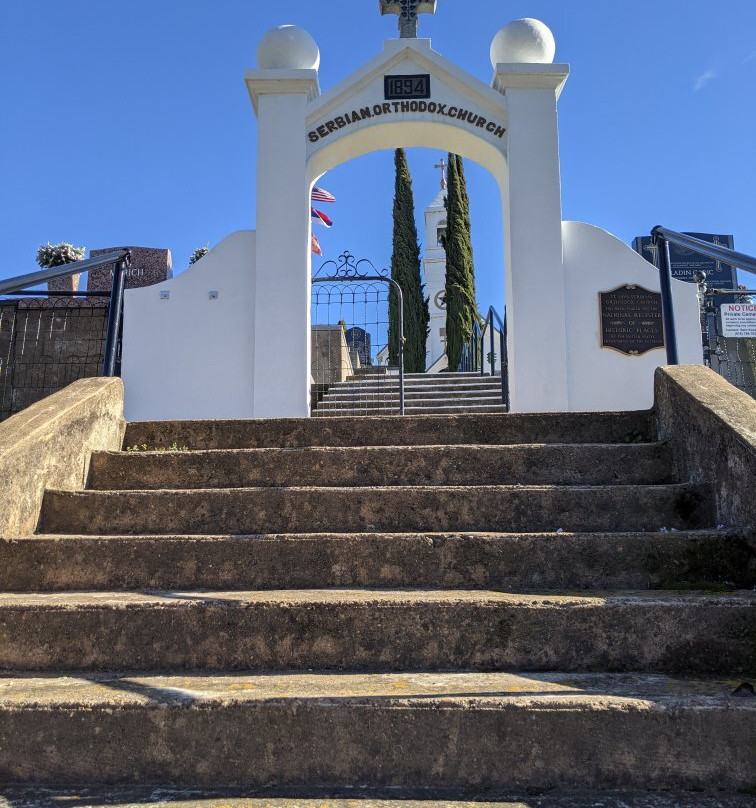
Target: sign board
{"type": "Point", "coordinates": [631, 320]}
{"type": "Point", "coordinates": [403, 87]}
{"type": "Point", "coordinates": [684, 263]}
{"type": "Point", "coordinates": [738, 320]}
{"type": "Point", "coordinates": [148, 265]}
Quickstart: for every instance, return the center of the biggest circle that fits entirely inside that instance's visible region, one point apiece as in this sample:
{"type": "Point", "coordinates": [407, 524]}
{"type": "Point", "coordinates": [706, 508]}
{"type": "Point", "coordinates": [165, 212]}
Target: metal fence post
{"type": "Point", "coordinates": [665, 285]}
{"type": "Point", "coordinates": [115, 312]}
{"type": "Point", "coordinates": [504, 368]}
{"type": "Point", "coordinates": [401, 347]}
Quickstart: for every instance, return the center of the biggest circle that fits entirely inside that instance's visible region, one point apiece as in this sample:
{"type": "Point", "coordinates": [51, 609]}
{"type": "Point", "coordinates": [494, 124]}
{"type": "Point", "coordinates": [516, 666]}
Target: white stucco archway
{"type": "Point", "coordinates": [510, 129]}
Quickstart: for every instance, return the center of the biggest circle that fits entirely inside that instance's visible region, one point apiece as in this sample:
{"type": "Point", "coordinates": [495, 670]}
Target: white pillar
{"type": "Point", "coordinates": [281, 348]}
{"type": "Point", "coordinates": [536, 319]}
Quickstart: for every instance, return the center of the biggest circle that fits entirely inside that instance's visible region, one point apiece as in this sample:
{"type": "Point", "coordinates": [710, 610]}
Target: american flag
{"type": "Point", "coordinates": [320, 217]}
{"type": "Point", "coordinates": [319, 195]}
{"type": "Point", "coordinates": [315, 246]}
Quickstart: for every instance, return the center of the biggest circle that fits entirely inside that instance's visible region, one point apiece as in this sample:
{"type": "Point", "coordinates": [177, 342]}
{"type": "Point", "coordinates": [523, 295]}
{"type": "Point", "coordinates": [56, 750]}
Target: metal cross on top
{"type": "Point", "coordinates": [442, 166]}
{"type": "Point", "coordinates": [407, 11]}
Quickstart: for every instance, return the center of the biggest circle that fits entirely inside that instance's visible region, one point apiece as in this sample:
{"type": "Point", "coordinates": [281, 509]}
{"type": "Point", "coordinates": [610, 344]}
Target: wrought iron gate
{"type": "Point", "coordinates": [350, 337]}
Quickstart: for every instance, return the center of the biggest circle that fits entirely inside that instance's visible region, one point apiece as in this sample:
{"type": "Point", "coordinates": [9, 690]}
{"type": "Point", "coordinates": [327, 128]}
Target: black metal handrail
{"type": "Point", "coordinates": [121, 259]}
{"type": "Point", "coordinates": [473, 351]}
{"type": "Point", "coordinates": [716, 252]}
{"type": "Point", "coordinates": [662, 238]}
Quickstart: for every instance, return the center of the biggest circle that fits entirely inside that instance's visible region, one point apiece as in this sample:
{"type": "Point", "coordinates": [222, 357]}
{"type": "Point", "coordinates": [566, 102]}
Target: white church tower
{"type": "Point", "coordinates": [434, 271]}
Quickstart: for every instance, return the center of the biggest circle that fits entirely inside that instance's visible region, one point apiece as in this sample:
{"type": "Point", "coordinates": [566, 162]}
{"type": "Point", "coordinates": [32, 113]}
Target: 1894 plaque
{"type": "Point", "coordinates": [631, 320]}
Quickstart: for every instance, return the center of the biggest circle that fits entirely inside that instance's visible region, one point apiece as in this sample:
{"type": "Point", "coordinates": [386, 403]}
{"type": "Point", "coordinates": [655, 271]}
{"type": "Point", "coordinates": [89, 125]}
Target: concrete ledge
{"type": "Point", "coordinates": [48, 445]}
{"type": "Point", "coordinates": [712, 428]}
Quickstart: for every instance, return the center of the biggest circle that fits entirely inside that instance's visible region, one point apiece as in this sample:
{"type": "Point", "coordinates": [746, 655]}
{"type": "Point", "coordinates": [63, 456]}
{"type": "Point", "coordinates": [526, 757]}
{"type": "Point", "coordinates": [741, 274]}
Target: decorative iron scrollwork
{"type": "Point", "coordinates": [346, 266]}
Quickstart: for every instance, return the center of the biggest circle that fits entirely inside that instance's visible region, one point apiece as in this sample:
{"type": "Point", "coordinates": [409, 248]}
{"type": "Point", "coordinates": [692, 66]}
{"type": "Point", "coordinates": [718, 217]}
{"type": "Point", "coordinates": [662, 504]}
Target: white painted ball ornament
{"type": "Point", "coordinates": [525, 41]}
{"type": "Point", "coordinates": [288, 47]}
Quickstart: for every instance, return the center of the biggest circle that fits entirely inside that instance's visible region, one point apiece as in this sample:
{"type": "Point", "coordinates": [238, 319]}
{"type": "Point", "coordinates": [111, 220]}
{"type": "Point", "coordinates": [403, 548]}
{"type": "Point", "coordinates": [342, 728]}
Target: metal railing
{"type": "Point", "coordinates": [49, 338]}
{"type": "Point", "coordinates": [474, 355]}
{"type": "Point", "coordinates": [121, 258]}
{"type": "Point", "coordinates": [662, 238]}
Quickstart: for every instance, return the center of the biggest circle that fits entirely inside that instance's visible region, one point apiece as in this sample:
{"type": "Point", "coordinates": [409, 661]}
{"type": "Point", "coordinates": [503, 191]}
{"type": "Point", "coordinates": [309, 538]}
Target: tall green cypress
{"type": "Point", "coordinates": [460, 273]}
{"type": "Point", "coordinates": [405, 270]}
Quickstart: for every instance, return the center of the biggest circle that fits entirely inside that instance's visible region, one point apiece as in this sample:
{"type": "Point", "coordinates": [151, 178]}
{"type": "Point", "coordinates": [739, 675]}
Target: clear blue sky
{"type": "Point", "coordinates": [130, 123]}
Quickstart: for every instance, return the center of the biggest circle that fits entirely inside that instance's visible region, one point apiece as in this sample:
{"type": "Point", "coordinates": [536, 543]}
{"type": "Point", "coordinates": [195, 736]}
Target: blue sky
{"type": "Point", "coordinates": [130, 122]}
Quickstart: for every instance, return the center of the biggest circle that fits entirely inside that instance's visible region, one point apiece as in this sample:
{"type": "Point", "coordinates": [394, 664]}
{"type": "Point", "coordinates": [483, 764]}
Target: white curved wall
{"type": "Point", "coordinates": [601, 378]}
{"type": "Point", "coordinates": [190, 356]}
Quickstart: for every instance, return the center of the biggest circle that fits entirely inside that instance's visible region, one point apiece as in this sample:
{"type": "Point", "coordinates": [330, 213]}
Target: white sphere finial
{"type": "Point", "coordinates": [288, 47]}
{"type": "Point", "coordinates": [525, 41]}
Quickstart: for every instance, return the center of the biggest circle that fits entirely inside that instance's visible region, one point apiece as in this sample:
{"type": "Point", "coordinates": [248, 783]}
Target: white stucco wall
{"type": "Point", "coordinates": [190, 356]}
{"type": "Point", "coordinates": [601, 378]}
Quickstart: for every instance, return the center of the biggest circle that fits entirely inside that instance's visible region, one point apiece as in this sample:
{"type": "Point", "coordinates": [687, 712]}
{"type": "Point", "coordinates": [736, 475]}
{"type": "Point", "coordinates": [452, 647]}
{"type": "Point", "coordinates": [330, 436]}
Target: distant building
{"type": "Point", "coordinates": [434, 272]}
{"type": "Point", "coordinates": [359, 340]}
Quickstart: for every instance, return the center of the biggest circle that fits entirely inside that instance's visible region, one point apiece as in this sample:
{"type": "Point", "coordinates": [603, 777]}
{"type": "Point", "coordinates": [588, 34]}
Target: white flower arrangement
{"type": "Point", "coordinates": [197, 254]}
{"type": "Point", "coordinates": [55, 255]}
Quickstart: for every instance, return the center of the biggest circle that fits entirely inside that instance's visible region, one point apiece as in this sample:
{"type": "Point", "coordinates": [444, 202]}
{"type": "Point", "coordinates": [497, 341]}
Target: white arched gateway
{"type": "Point", "coordinates": [510, 129]}
{"type": "Point", "coordinates": [408, 96]}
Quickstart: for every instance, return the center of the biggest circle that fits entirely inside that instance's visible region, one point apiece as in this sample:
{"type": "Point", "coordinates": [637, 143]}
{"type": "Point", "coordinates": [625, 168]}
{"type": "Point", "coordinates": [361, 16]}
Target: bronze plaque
{"type": "Point", "coordinates": [631, 320]}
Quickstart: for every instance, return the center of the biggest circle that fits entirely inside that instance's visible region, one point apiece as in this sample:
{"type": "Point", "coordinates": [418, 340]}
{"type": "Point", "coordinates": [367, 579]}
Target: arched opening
{"type": "Point", "coordinates": [359, 170]}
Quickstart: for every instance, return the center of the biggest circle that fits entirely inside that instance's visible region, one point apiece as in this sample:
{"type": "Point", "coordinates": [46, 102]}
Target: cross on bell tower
{"type": "Point", "coordinates": [442, 166]}
{"type": "Point", "coordinates": [407, 10]}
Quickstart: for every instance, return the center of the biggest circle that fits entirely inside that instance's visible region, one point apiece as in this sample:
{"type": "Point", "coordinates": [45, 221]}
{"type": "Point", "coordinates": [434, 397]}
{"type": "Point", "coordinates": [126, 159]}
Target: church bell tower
{"type": "Point", "coordinates": [434, 271]}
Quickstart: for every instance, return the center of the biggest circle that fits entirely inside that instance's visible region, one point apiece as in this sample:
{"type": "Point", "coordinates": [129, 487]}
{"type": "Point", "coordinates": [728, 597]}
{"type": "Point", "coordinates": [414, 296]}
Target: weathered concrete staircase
{"type": "Point", "coordinates": [462, 604]}
{"type": "Point", "coordinates": [425, 394]}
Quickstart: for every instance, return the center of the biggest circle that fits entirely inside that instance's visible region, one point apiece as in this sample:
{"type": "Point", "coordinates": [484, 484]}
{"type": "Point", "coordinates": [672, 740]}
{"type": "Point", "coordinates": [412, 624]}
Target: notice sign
{"type": "Point", "coordinates": [738, 319]}
{"type": "Point", "coordinates": [631, 320]}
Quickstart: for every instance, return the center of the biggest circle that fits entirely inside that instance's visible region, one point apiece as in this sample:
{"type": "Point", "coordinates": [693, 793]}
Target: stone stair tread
{"type": "Point", "coordinates": [418, 397]}
{"type": "Point", "coordinates": [597, 691]}
{"type": "Point", "coordinates": [470, 732]}
{"type": "Point", "coordinates": [386, 488]}
{"type": "Point", "coordinates": [435, 409]}
{"type": "Point", "coordinates": [68, 600]}
{"type": "Point", "coordinates": [360, 450]}
{"type": "Point", "coordinates": [548, 536]}
{"type": "Point", "coordinates": [350, 430]}
{"type": "Point", "coordinates": [378, 630]}
{"type": "Point", "coordinates": [456, 375]}
{"type": "Point", "coordinates": [381, 507]}
{"type": "Point", "coordinates": [389, 465]}
{"type": "Point", "coordinates": [483, 384]}
{"type": "Point", "coordinates": [361, 797]}
{"type": "Point", "coordinates": [409, 402]}
{"type": "Point", "coordinates": [458, 560]}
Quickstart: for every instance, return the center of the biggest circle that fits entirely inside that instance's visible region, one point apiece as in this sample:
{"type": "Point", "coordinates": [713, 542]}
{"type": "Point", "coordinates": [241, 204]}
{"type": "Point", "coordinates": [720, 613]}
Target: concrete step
{"type": "Point", "coordinates": [409, 388]}
{"type": "Point", "coordinates": [425, 409]}
{"type": "Point", "coordinates": [471, 733]}
{"type": "Point", "coordinates": [610, 427]}
{"type": "Point", "coordinates": [431, 394]}
{"type": "Point", "coordinates": [423, 377]}
{"type": "Point", "coordinates": [510, 562]}
{"type": "Point", "coordinates": [362, 797]}
{"type": "Point", "coordinates": [388, 508]}
{"type": "Point", "coordinates": [417, 402]}
{"type": "Point", "coordinates": [392, 382]}
{"type": "Point", "coordinates": [379, 630]}
{"type": "Point", "coordinates": [551, 464]}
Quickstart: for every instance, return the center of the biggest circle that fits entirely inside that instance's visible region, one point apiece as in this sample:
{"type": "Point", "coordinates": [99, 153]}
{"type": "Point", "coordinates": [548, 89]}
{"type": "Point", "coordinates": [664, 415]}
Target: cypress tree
{"type": "Point", "coordinates": [461, 310]}
{"type": "Point", "coordinates": [405, 270]}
